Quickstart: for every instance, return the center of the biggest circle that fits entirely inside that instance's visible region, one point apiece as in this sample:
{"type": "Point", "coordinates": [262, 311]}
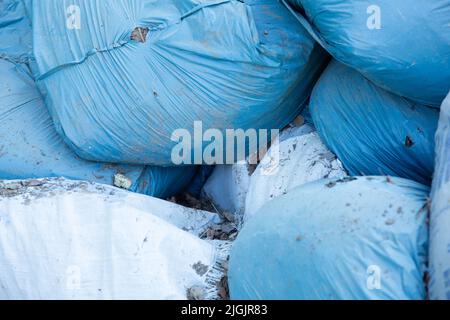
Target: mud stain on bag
{"type": "Point", "coordinates": [139, 34]}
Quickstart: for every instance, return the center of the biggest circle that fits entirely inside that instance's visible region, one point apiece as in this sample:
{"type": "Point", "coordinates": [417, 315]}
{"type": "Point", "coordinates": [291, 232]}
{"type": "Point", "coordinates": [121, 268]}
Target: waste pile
{"type": "Point", "coordinates": [119, 178]}
{"type": "Point", "coordinates": [30, 147]}
{"type": "Point", "coordinates": [249, 65]}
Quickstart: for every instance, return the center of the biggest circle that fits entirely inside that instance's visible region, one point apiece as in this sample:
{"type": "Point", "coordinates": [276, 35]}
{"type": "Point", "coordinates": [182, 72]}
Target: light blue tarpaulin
{"type": "Point", "coordinates": [401, 45]}
{"type": "Point", "coordinates": [440, 211]}
{"type": "Point", "coordinates": [346, 239]}
{"type": "Point", "coordinates": [372, 131]}
{"type": "Point", "coordinates": [118, 93]}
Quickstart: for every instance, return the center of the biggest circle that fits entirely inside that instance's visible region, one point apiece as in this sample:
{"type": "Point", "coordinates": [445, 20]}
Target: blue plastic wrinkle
{"type": "Point", "coordinates": [363, 238]}
{"type": "Point", "coordinates": [401, 45]}
{"type": "Point", "coordinates": [372, 131]}
{"type": "Point", "coordinates": [30, 147]}
{"type": "Point", "coordinates": [229, 64]}
{"type": "Point", "coordinates": [15, 31]}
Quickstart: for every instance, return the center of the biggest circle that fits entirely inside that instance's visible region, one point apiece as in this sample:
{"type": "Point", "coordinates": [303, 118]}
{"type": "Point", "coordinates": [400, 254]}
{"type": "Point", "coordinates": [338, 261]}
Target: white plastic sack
{"type": "Point", "coordinates": [297, 157]}
{"type": "Point", "coordinates": [61, 239]}
{"type": "Point", "coordinates": [227, 187]}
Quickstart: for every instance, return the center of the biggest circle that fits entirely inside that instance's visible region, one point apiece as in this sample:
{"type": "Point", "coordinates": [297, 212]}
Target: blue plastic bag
{"type": "Point", "coordinates": [372, 131]}
{"type": "Point", "coordinates": [121, 76]}
{"type": "Point", "coordinates": [353, 239]}
{"type": "Point", "coordinates": [197, 183]}
{"type": "Point", "coordinates": [31, 148]}
{"type": "Point", "coordinates": [439, 286]}
{"type": "Point", "coordinates": [401, 45]}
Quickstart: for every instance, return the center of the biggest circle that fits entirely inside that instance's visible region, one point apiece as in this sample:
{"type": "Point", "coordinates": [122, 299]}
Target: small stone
{"type": "Point", "coordinates": [196, 293]}
{"type": "Point", "coordinates": [299, 121]}
{"type": "Point", "coordinates": [232, 236]}
{"type": "Point", "coordinates": [228, 216]}
{"type": "Point", "coordinates": [122, 181]}
{"type": "Point", "coordinates": [390, 222]}
{"type": "Point", "coordinates": [331, 184]}
{"type": "Point", "coordinates": [139, 34]}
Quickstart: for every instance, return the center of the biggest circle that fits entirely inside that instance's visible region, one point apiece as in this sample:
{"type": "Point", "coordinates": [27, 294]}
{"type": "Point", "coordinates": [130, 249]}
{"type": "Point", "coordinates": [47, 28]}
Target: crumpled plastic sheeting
{"type": "Point", "coordinates": [354, 238]}
{"type": "Point", "coordinates": [296, 158]}
{"type": "Point", "coordinates": [408, 55]}
{"type": "Point", "coordinates": [372, 131]}
{"type": "Point", "coordinates": [31, 148]}
{"type": "Point", "coordinates": [64, 239]}
{"type": "Point", "coordinates": [439, 285]}
{"type": "Point", "coordinates": [227, 63]}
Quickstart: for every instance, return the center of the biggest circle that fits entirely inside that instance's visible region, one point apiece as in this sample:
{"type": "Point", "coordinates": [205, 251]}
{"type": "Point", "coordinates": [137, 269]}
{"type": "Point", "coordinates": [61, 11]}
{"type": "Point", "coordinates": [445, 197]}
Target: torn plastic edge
{"type": "Point", "coordinates": [215, 273]}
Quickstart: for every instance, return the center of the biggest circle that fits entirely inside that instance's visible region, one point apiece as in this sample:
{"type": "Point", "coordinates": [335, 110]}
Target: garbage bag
{"type": "Point", "coordinates": [296, 158]}
{"type": "Point", "coordinates": [31, 148]}
{"type": "Point", "coordinates": [227, 188]}
{"type": "Point", "coordinates": [439, 286]}
{"type": "Point", "coordinates": [15, 31]}
{"type": "Point", "coordinates": [65, 239]}
{"type": "Point", "coordinates": [351, 238]}
{"type": "Point", "coordinates": [120, 77]}
{"type": "Point", "coordinates": [401, 45]}
{"type": "Point", "coordinates": [372, 131]}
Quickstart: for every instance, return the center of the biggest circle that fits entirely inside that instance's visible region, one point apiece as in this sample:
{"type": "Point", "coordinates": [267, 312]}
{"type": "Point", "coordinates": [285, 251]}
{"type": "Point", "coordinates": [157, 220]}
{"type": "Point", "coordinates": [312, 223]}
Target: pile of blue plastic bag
{"type": "Point", "coordinates": [95, 90]}
{"type": "Point", "coordinates": [30, 146]}
{"type": "Point", "coordinates": [376, 106]}
{"type": "Point", "coordinates": [243, 68]}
